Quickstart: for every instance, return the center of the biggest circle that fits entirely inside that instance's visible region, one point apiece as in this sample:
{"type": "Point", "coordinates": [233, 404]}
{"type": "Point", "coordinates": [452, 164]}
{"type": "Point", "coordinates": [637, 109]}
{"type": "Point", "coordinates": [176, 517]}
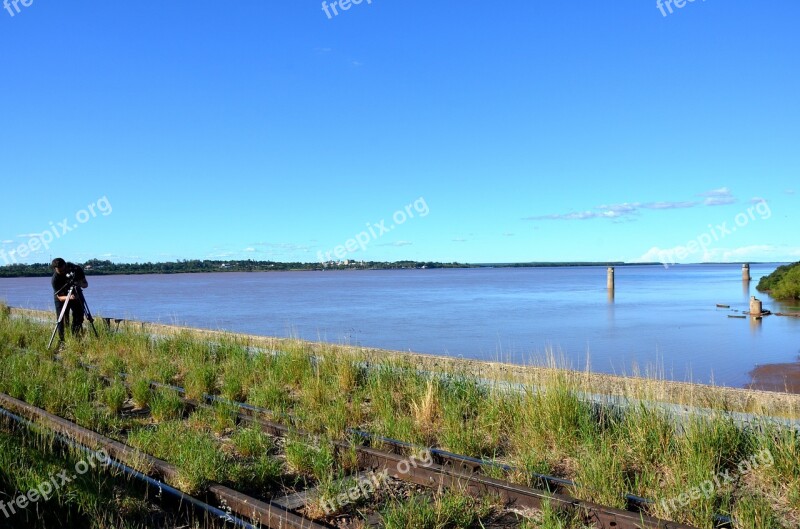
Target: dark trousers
{"type": "Point", "coordinates": [76, 308]}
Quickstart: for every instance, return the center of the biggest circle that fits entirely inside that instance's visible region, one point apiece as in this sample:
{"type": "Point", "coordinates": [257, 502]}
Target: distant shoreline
{"type": "Point", "coordinates": [96, 267]}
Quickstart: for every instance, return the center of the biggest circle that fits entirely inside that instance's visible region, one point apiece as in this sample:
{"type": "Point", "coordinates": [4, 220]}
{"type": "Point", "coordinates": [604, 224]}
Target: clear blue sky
{"type": "Point", "coordinates": [524, 130]}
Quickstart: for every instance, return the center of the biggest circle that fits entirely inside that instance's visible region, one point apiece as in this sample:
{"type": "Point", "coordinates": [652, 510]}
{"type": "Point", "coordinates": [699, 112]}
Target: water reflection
{"type": "Point", "coordinates": [610, 309]}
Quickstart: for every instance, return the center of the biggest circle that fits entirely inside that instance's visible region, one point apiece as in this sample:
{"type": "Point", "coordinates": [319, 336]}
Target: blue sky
{"type": "Point", "coordinates": [445, 131]}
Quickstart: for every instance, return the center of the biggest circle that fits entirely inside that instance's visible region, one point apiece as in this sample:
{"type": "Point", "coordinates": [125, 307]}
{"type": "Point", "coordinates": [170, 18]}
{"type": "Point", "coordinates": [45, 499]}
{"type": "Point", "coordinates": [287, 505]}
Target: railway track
{"type": "Point", "coordinates": [180, 500]}
{"type": "Point", "coordinates": [261, 512]}
{"type": "Point", "coordinates": [377, 454]}
{"type": "Point", "coordinates": [444, 471]}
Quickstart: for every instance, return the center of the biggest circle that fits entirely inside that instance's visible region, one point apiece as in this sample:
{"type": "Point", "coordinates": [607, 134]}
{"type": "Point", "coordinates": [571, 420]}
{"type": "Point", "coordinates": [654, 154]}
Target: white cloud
{"type": "Point", "coordinates": [619, 210]}
{"type": "Point", "coordinates": [280, 246]}
{"type": "Point", "coordinates": [657, 255]}
{"type": "Point", "coordinates": [757, 252]}
{"type": "Point", "coordinates": [670, 205]}
{"type": "Point", "coordinates": [718, 197]}
{"type": "Point", "coordinates": [396, 243]}
{"type": "Point", "coordinates": [719, 201]}
{"type": "Point", "coordinates": [631, 210]}
{"type": "Point", "coordinates": [582, 215]}
{"type": "Point", "coordinates": [720, 192]}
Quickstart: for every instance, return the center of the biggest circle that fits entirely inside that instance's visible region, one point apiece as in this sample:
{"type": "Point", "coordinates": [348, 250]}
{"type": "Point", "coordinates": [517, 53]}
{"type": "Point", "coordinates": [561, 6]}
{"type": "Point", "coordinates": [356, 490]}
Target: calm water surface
{"type": "Point", "coordinates": [662, 319]}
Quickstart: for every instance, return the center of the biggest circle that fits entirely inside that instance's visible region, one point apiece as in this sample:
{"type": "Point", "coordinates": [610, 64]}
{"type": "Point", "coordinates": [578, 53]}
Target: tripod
{"type": "Point", "coordinates": [78, 293]}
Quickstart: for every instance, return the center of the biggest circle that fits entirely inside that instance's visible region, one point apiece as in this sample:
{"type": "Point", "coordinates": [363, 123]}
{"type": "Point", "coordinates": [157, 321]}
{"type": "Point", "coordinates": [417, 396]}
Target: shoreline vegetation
{"type": "Point", "coordinates": [105, 267]}
{"type": "Point", "coordinates": [782, 284]}
{"type": "Point", "coordinates": [546, 426]}
{"type": "Point", "coordinates": [762, 397]}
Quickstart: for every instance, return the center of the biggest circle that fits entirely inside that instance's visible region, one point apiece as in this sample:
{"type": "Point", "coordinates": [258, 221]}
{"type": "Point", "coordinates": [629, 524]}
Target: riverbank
{"type": "Point", "coordinates": [768, 394]}
{"type": "Point", "coordinates": [525, 421]}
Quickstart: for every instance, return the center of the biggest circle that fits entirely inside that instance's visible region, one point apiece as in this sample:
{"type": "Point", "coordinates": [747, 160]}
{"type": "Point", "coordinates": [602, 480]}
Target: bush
{"type": "Point", "coordinates": [783, 283]}
{"type": "Point", "coordinates": [789, 286]}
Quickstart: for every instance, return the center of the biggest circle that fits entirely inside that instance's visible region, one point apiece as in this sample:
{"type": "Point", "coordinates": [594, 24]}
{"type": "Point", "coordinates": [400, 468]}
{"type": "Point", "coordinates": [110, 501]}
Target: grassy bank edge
{"type": "Point", "coordinates": [654, 388]}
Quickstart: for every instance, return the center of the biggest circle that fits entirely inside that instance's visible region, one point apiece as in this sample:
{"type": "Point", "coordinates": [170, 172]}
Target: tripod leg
{"type": "Point", "coordinates": [87, 312]}
{"type": "Point", "coordinates": [89, 317]}
{"type": "Point", "coordinates": [60, 319]}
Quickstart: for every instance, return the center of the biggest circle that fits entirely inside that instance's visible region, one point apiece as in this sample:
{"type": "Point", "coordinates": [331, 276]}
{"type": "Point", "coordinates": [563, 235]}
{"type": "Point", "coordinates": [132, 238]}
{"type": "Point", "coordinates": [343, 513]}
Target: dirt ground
{"type": "Point", "coordinates": [776, 377]}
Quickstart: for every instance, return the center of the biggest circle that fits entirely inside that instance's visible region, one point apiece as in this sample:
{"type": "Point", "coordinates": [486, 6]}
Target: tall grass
{"type": "Point", "coordinates": [96, 499]}
{"type": "Point", "coordinates": [451, 510]}
{"type": "Point", "coordinates": [548, 428]}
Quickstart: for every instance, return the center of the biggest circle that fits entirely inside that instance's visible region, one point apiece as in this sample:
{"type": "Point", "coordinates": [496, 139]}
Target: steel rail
{"type": "Point", "coordinates": [459, 471]}
{"type": "Point", "coordinates": [439, 476]}
{"type": "Point", "coordinates": [463, 466]}
{"type": "Point", "coordinates": [273, 515]}
{"type": "Point", "coordinates": [181, 496]}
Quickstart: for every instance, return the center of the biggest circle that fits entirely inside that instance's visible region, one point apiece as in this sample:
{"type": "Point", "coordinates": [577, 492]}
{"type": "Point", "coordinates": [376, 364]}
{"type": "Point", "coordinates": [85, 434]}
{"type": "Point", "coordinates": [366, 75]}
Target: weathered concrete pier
{"type": "Point", "coordinates": [756, 308]}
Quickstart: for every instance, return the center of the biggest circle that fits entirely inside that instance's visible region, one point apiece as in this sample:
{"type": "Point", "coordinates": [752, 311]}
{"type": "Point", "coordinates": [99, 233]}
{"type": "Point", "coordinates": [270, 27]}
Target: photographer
{"type": "Point", "coordinates": [65, 276]}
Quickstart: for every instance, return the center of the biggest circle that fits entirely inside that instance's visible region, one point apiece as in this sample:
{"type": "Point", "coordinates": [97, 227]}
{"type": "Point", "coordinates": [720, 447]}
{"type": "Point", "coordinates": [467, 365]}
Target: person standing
{"type": "Point", "coordinates": [65, 275]}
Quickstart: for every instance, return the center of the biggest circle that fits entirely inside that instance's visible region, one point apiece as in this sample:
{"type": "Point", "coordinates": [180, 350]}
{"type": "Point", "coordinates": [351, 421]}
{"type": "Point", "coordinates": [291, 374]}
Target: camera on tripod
{"type": "Point", "coordinates": [69, 293]}
{"type": "Point", "coordinates": [72, 282]}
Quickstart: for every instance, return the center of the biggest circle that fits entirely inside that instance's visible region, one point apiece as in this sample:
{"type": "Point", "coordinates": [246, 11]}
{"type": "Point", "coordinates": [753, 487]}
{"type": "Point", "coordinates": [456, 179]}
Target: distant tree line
{"type": "Point", "coordinates": [99, 267]}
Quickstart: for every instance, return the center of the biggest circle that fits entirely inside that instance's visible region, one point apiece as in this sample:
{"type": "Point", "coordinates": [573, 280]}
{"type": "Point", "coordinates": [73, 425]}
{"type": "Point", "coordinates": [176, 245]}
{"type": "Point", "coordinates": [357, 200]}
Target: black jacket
{"type": "Point", "coordinates": [60, 282]}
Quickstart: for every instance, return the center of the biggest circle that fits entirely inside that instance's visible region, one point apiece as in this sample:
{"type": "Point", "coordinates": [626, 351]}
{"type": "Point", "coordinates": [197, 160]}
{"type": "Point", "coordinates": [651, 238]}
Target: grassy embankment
{"type": "Point", "coordinates": [546, 429]}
